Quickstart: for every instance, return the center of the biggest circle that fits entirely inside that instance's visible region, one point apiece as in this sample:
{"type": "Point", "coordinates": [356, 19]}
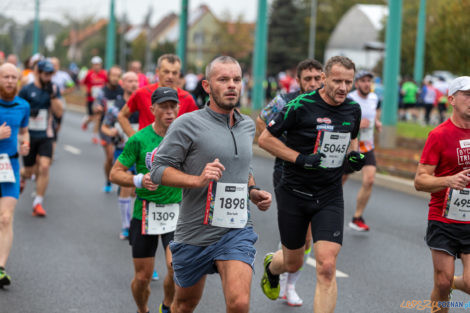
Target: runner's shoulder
{"type": "Point", "coordinates": [182, 94]}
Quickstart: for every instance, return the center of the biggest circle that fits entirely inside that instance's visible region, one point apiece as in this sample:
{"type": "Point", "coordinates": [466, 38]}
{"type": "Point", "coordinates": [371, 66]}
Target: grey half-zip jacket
{"type": "Point", "coordinates": [193, 140]}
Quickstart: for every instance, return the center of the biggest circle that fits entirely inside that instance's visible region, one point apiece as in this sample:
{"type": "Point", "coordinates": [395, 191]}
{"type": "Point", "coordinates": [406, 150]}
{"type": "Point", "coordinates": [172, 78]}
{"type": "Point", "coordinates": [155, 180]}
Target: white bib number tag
{"type": "Point", "coordinates": [457, 205]}
{"type": "Point", "coordinates": [367, 134]}
{"type": "Point", "coordinates": [6, 170]}
{"type": "Point", "coordinates": [158, 219]}
{"type": "Point", "coordinates": [38, 123]}
{"type": "Point", "coordinates": [95, 91]}
{"type": "Point", "coordinates": [227, 205]}
{"type": "Point", "coordinates": [109, 104]}
{"type": "Point", "coordinates": [334, 145]}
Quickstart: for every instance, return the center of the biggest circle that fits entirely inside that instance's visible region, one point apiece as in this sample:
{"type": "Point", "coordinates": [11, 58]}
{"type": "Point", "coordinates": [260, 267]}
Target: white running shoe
{"type": "Point", "coordinates": [282, 285]}
{"type": "Point", "coordinates": [293, 298]}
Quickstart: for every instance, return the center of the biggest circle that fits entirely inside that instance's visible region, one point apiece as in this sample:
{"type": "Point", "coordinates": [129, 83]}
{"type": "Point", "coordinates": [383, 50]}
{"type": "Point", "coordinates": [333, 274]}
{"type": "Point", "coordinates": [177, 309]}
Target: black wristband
{"type": "Point", "coordinates": [250, 188]}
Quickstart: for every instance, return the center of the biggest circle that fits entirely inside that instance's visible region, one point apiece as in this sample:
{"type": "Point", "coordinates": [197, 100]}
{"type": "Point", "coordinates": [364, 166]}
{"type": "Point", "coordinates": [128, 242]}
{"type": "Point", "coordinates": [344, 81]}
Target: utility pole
{"type": "Point", "coordinates": [313, 25]}
{"type": "Point", "coordinates": [183, 34]}
{"type": "Point", "coordinates": [420, 43]}
{"type": "Point", "coordinates": [110, 38]}
{"type": "Point", "coordinates": [259, 55]}
{"type": "Point", "coordinates": [122, 42]}
{"type": "Point", "coordinates": [36, 29]}
{"type": "Point", "coordinates": [148, 50]}
{"type": "Point", "coordinates": [391, 71]}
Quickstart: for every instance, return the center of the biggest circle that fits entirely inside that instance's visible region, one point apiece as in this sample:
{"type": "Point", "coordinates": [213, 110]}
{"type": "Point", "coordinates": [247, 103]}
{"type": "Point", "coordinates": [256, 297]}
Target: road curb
{"type": "Point", "coordinates": [386, 181]}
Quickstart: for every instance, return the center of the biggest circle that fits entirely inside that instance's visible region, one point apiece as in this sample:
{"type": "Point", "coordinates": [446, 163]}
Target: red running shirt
{"type": "Point", "coordinates": [448, 148]}
{"type": "Point", "coordinates": [141, 101]}
{"type": "Point", "coordinates": [94, 79]}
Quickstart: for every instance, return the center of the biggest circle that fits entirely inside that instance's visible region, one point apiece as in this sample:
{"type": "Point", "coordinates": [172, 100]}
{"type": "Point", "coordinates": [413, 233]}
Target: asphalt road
{"type": "Point", "coordinates": [73, 260]}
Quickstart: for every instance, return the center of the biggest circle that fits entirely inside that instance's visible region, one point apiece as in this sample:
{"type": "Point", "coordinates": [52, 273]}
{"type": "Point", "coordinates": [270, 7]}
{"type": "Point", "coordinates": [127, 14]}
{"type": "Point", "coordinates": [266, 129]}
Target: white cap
{"type": "Point", "coordinates": [461, 83]}
{"type": "Point", "coordinates": [96, 60]}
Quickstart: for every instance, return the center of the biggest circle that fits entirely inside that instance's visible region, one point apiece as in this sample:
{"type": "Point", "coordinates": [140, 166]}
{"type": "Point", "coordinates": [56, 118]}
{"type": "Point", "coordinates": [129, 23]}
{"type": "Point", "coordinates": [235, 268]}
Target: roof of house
{"type": "Point", "coordinates": [78, 36]}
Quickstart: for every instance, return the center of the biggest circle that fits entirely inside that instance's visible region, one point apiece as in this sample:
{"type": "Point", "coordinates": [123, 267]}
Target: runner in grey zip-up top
{"type": "Point", "coordinates": [192, 141]}
{"type": "Point", "coordinates": [208, 154]}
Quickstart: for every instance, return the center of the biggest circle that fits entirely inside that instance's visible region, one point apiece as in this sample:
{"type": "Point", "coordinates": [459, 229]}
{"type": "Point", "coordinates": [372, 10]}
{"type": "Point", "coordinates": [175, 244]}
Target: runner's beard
{"type": "Point", "coordinates": [221, 104]}
{"type": "Point", "coordinates": [8, 95]}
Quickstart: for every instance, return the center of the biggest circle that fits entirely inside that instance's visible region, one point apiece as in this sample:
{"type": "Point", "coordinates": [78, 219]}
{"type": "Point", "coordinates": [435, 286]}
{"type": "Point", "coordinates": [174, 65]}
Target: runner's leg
{"type": "Point", "coordinates": [444, 267]}
{"type": "Point", "coordinates": [140, 285]}
{"type": "Point", "coordinates": [168, 283]}
{"type": "Point", "coordinates": [326, 289]}
{"type": "Point", "coordinates": [186, 299]}
{"type": "Point", "coordinates": [7, 209]}
{"type": "Point", "coordinates": [461, 283]}
{"type": "Point", "coordinates": [368, 176]}
{"type": "Point", "coordinates": [42, 180]}
{"type": "Point", "coordinates": [236, 282]}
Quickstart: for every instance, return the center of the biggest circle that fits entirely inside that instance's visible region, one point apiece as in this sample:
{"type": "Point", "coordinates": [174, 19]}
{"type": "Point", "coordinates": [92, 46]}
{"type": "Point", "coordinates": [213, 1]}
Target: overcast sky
{"type": "Point", "coordinates": [23, 10]}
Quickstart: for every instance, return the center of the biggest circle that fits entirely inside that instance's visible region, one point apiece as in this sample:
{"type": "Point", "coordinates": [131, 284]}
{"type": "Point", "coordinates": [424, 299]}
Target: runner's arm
{"type": "Point", "coordinates": [176, 178]}
{"type": "Point", "coordinates": [57, 107]}
{"type": "Point", "coordinates": [23, 136]}
{"type": "Point", "coordinates": [354, 146]}
{"type": "Point", "coordinates": [121, 176]}
{"type": "Point", "coordinates": [108, 131]}
{"type": "Point", "coordinates": [262, 199]}
{"type": "Point", "coordinates": [123, 119]}
{"type": "Point", "coordinates": [260, 125]}
{"type": "Point", "coordinates": [427, 182]}
{"type": "Point", "coordinates": [276, 147]}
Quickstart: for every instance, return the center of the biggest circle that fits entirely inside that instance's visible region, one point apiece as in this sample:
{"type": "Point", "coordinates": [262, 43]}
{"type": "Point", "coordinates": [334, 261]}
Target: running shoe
{"type": "Point", "coordinates": [5, 280]}
{"type": "Point", "coordinates": [358, 224]}
{"type": "Point", "coordinates": [107, 188]}
{"type": "Point", "coordinates": [269, 283]}
{"type": "Point", "coordinates": [124, 234]}
{"type": "Point", "coordinates": [293, 298]}
{"type": "Point", "coordinates": [161, 309]}
{"type": "Point", "coordinates": [283, 286]}
{"type": "Point", "coordinates": [39, 211]}
{"type": "Point", "coordinates": [155, 275]}
{"type": "Point", "coordinates": [84, 125]}
{"type": "Point", "coordinates": [95, 140]}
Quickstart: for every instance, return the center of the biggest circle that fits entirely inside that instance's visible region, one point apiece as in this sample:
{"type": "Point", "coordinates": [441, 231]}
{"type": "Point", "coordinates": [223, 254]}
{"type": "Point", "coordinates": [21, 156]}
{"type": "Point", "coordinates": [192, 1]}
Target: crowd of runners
{"type": "Point", "coordinates": [185, 176]}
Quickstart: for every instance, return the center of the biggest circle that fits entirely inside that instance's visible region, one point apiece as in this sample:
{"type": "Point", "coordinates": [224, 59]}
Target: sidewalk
{"type": "Point", "coordinates": [386, 181]}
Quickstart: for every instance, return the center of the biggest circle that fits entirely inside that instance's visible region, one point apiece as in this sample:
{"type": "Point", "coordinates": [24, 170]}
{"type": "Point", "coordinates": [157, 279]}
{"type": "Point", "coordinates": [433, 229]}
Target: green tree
{"type": "Point", "coordinates": [163, 48]}
{"type": "Point", "coordinates": [286, 38]}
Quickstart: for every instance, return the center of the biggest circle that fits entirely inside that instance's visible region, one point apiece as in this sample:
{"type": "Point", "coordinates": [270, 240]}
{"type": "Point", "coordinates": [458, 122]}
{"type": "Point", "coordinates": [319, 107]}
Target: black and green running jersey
{"type": "Point", "coordinates": [303, 120]}
{"type": "Point", "coordinates": [140, 150]}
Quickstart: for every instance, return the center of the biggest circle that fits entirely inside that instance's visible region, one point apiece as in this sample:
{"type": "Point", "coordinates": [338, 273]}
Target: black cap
{"type": "Point", "coordinates": [45, 66]}
{"type": "Point", "coordinates": [162, 94]}
{"type": "Point", "coordinates": [363, 73]}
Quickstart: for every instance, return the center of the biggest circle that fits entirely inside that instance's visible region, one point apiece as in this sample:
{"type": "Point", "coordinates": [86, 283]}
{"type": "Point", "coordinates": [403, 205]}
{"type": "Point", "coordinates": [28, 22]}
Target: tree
{"type": "Point", "coordinates": [286, 39]}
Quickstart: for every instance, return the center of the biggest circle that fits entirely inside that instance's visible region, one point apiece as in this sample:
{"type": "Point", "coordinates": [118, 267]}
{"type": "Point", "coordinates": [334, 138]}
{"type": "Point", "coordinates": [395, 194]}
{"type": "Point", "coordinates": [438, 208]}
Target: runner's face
{"type": "Point", "coordinates": [114, 76]}
{"type": "Point", "coordinates": [338, 83]}
{"type": "Point", "coordinates": [45, 77]}
{"type": "Point", "coordinates": [310, 80]}
{"type": "Point", "coordinates": [8, 82]}
{"type": "Point", "coordinates": [168, 74]}
{"type": "Point", "coordinates": [165, 113]}
{"type": "Point", "coordinates": [461, 103]}
{"type": "Point", "coordinates": [225, 85]}
{"type": "Point", "coordinates": [364, 85]}
{"type": "Point", "coordinates": [130, 84]}
{"type": "Point", "coordinates": [96, 67]}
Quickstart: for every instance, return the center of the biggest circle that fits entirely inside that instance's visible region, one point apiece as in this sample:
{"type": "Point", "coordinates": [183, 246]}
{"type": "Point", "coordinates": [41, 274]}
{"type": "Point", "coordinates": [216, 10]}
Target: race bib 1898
{"type": "Point", "coordinates": [457, 204]}
{"type": "Point", "coordinates": [334, 145]}
{"type": "Point", "coordinates": [227, 205]}
{"type": "Point", "coordinates": [6, 170]}
{"type": "Point", "coordinates": [158, 219]}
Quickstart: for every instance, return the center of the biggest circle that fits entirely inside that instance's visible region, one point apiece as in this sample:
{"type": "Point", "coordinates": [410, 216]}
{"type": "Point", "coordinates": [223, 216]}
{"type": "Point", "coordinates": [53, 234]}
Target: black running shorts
{"type": "Point", "coordinates": [145, 246]}
{"type": "Point", "coordinates": [451, 238]}
{"type": "Point", "coordinates": [38, 146]}
{"type": "Point", "coordinates": [296, 211]}
{"type": "Point", "coordinates": [369, 159]}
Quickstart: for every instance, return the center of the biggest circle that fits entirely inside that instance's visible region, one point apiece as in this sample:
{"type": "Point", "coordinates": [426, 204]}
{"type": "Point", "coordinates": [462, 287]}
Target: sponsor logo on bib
{"type": "Point", "coordinates": [325, 120]}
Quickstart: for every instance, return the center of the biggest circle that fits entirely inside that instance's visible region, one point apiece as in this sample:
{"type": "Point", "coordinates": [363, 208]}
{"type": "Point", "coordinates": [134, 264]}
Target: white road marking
{"type": "Point", "coordinates": [72, 149]}
{"type": "Point", "coordinates": [312, 262]}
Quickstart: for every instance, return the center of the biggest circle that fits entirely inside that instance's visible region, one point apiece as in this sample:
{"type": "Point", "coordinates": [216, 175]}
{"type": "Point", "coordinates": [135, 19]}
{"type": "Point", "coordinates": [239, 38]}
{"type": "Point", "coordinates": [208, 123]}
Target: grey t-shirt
{"type": "Point", "coordinates": [193, 140]}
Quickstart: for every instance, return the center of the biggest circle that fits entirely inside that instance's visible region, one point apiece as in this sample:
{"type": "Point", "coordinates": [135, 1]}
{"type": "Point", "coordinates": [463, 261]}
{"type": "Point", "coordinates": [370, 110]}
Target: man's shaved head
{"type": "Point", "coordinates": [8, 81]}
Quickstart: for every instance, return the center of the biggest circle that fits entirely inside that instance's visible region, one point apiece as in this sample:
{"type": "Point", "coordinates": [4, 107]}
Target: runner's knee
{"type": "Point", "coordinates": [240, 303]}
{"type": "Point", "coordinates": [443, 283]}
{"type": "Point", "coordinates": [5, 219]}
{"type": "Point", "coordinates": [326, 268]}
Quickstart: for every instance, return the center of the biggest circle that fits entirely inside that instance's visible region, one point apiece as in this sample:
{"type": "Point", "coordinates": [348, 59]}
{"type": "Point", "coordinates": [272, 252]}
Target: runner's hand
{"type": "Point", "coordinates": [261, 198]}
{"type": "Point", "coordinates": [212, 171]}
{"type": "Point", "coordinates": [356, 160]}
{"type": "Point", "coordinates": [460, 180]}
{"type": "Point", "coordinates": [5, 131]}
{"type": "Point", "coordinates": [24, 148]}
{"type": "Point", "coordinates": [148, 184]}
{"type": "Point", "coordinates": [113, 132]}
{"type": "Point", "coordinates": [309, 161]}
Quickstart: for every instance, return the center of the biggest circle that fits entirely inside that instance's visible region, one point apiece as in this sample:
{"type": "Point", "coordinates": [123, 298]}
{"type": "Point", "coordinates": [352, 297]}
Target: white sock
{"type": "Point", "coordinates": [37, 200]}
{"type": "Point", "coordinates": [124, 206]}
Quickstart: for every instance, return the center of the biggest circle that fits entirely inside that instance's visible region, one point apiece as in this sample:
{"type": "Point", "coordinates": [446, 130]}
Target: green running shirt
{"type": "Point", "coordinates": [139, 150]}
